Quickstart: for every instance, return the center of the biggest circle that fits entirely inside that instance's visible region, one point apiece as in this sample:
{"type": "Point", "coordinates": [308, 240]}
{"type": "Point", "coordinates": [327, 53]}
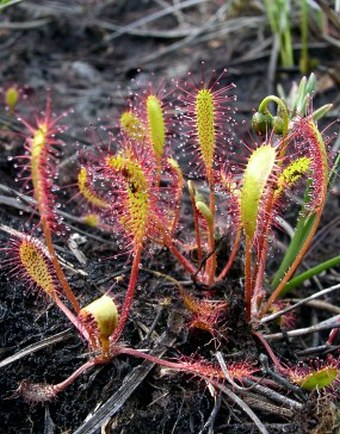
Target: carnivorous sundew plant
{"type": "Point", "coordinates": [136, 189]}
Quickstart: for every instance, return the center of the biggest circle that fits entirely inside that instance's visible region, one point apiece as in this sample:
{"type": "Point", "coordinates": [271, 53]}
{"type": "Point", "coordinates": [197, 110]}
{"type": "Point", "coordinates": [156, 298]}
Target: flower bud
{"type": "Point", "coordinates": [278, 125]}
{"type": "Point", "coordinates": [261, 123]}
{"type": "Point", "coordinates": [11, 98]}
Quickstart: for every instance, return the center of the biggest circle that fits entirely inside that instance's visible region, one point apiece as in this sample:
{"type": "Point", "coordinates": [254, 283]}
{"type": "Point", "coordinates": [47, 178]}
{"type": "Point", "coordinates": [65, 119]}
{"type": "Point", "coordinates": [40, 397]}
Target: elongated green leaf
{"type": "Point", "coordinates": [308, 274]}
{"type": "Point", "coordinates": [6, 3]}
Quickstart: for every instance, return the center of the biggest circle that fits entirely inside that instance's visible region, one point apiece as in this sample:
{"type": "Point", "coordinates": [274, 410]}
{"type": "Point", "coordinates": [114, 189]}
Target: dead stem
{"type": "Point", "coordinates": [331, 323]}
{"type": "Point", "coordinates": [274, 396]}
{"type": "Point", "coordinates": [300, 303]}
{"type": "Point", "coordinates": [30, 349]}
{"type": "Point", "coordinates": [240, 402]}
{"type": "Point", "coordinates": [322, 305]}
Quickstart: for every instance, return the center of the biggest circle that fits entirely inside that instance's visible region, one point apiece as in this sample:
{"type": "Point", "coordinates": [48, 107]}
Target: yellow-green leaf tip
{"type": "Point", "coordinates": [156, 124]}
{"type": "Point", "coordinates": [256, 176]}
{"type": "Point", "coordinates": [104, 312]}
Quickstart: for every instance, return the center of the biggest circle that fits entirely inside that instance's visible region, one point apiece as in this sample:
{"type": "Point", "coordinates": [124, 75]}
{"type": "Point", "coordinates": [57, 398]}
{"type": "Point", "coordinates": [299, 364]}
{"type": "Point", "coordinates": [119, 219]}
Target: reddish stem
{"type": "Point", "coordinates": [61, 386]}
{"type": "Point", "coordinates": [259, 271]}
{"type": "Point", "coordinates": [298, 259]}
{"type": "Point", "coordinates": [197, 229]}
{"type": "Point", "coordinates": [186, 367]}
{"type": "Point", "coordinates": [168, 242]}
{"type": "Point", "coordinates": [58, 270]}
{"type": "Point", "coordinates": [232, 256]}
{"type": "Point", "coordinates": [332, 335]}
{"type": "Point", "coordinates": [195, 368]}
{"type": "Point", "coordinates": [125, 310]}
{"type": "Point", "coordinates": [178, 201]}
{"type": "Point", "coordinates": [211, 263]}
{"type": "Point", "coordinates": [270, 352]}
{"type": "Point", "coordinates": [248, 277]}
{"type": "Point", "coordinates": [73, 319]}
{"type": "Point", "coordinates": [182, 259]}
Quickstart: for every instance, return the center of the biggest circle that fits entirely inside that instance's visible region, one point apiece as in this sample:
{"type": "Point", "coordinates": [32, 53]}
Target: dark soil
{"type": "Point", "coordinates": [67, 47]}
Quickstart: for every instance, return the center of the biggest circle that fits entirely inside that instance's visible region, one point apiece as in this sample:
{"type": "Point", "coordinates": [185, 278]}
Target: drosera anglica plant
{"type": "Point", "coordinates": [137, 190]}
{"type": "Point", "coordinates": [138, 215]}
